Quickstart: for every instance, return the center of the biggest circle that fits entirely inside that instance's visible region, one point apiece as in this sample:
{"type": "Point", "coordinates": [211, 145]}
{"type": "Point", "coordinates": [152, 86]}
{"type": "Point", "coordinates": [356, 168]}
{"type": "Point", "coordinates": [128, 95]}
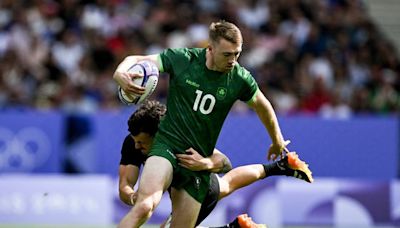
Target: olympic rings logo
{"type": "Point", "coordinates": [24, 150]}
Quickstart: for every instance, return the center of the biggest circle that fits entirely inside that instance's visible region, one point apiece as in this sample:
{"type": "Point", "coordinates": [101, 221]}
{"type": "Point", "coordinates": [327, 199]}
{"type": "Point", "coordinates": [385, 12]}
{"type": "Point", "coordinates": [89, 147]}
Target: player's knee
{"type": "Point", "coordinates": [145, 207]}
{"type": "Point", "coordinates": [224, 194]}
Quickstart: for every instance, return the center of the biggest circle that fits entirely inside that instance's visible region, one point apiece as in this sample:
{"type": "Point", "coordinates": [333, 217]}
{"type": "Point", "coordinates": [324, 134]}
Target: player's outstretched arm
{"type": "Point", "coordinates": [267, 115]}
{"type": "Point", "coordinates": [128, 176]}
{"type": "Point", "coordinates": [216, 163]}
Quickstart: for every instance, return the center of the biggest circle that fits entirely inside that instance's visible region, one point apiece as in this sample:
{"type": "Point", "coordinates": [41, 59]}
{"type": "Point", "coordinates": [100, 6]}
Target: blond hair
{"type": "Point", "coordinates": [225, 30]}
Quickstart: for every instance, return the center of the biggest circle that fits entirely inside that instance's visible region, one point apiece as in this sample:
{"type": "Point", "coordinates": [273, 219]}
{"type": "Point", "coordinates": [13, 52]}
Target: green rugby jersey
{"type": "Point", "coordinates": [199, 99]}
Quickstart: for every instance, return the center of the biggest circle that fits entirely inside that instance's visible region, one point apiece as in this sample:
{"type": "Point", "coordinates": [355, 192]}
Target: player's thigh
{"type": "Point", "coordinates": [211, 199]}
{"type": "Point", "coordinates": [185, 209]}
{"type": "Point", "coordinates": [156, 176]}
{"type": "Point", "coordinates": [224, 187]}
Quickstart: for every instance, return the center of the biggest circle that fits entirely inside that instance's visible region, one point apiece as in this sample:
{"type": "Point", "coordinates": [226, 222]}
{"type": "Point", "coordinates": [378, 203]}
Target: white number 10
{"type": "Point", "coordinates": [202, 101]}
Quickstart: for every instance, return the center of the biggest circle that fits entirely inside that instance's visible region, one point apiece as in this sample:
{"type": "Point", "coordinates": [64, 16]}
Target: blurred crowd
{"type": "Point", "coordinates": [319, 57]}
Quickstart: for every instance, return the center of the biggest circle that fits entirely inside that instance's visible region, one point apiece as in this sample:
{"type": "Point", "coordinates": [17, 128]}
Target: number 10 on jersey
{"type": "Point", "coordinates": [201, 102]}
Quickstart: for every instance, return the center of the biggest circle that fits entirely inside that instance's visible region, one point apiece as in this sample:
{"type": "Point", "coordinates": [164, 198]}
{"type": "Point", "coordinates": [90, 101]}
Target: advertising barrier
{"type": "Point", "coordinates": [283, 201]}
{"type": "Point", "coordinates": [55, 199]}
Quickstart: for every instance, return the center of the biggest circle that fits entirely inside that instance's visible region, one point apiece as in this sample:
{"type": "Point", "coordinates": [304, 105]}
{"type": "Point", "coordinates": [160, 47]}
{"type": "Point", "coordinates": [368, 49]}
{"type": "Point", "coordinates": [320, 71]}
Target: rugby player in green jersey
{"type": "Point", "coordinates": [204, 84]}
{"type": "Point", "coordinates": [142, 127]}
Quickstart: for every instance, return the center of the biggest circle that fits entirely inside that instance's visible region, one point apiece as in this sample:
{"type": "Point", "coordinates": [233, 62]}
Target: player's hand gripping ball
{"type": "Point", "coordinates": [150, 74]}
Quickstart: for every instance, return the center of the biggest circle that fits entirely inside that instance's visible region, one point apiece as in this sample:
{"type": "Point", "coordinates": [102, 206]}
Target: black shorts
{"type": "Point", "coordinates": [211, 199]}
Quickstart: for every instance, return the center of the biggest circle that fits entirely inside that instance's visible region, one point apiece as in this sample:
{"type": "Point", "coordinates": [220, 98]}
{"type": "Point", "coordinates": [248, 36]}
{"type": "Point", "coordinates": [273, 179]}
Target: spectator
{"type": "Point", "coordinates": [50, 47]}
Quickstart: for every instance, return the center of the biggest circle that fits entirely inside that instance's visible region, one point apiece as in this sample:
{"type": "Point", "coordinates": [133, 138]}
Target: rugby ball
{"type": "Point", "coordinates": [150, 74]}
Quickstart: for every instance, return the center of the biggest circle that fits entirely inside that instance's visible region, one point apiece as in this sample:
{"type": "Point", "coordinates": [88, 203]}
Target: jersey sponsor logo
{"type": "Point", "coordinates": [221, 93]}
{"type": "Point", "coordinates": [192, 83]}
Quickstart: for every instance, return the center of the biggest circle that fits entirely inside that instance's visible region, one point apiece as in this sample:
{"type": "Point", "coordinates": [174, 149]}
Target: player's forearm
{"type": "Point", "coordinates": [126, 195]}
{"type": "Point", "coordinates": [132, 59]}
{"type": "Point", "coordinates": [268, 117]}
{"type": "Point", "coordinates": [219, 163]}
{"type": "Point", "coordinates": [125, 64]}
{"type": "Point", "coordinates": [119, 76]}
{"type": "Point", "coordinates": [214, 165]}
{"type": "Point", "coordinates": [223, 166]}
{"type": "Point", "coordinates": [271, 123]}
{"type": "Point", "coordinates": [128, 176]}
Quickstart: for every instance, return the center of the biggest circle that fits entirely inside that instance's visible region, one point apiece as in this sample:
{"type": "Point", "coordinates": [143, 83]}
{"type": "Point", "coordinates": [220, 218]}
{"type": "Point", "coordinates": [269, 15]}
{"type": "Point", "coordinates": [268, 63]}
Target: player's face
{"type": "Point", "coordinates": [143, 142]}
{"type": "Point", "coordinates": [224, 55]}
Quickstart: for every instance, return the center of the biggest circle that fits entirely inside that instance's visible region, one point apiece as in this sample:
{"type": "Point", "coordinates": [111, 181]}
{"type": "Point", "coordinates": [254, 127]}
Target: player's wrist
{"type": "Point", "coordinates": [126, 64]}
{"type": "Point", "coordinates": [279, 142]}
{"type": "Point", "coordinates": [208, 164]}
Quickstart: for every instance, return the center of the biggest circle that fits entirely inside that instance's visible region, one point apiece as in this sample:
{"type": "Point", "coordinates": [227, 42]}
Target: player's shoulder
{"type": "Point", "coordinates": [186, 52]}
{"type": "Point", "coordinates": [128, 141]}
{"type": "Point", "coordinates": [241, 72]}
{"type": "Point", "coordinates": [131, 155]}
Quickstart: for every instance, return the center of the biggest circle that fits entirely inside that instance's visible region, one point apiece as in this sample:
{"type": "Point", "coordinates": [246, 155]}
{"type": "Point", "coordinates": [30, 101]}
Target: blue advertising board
{"type": "Point", "coordinates": [31, 141]}
{"type": "Point", "coordinates": [365, 147]}
{"type": "Point", "coordinates": [360, 148]}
